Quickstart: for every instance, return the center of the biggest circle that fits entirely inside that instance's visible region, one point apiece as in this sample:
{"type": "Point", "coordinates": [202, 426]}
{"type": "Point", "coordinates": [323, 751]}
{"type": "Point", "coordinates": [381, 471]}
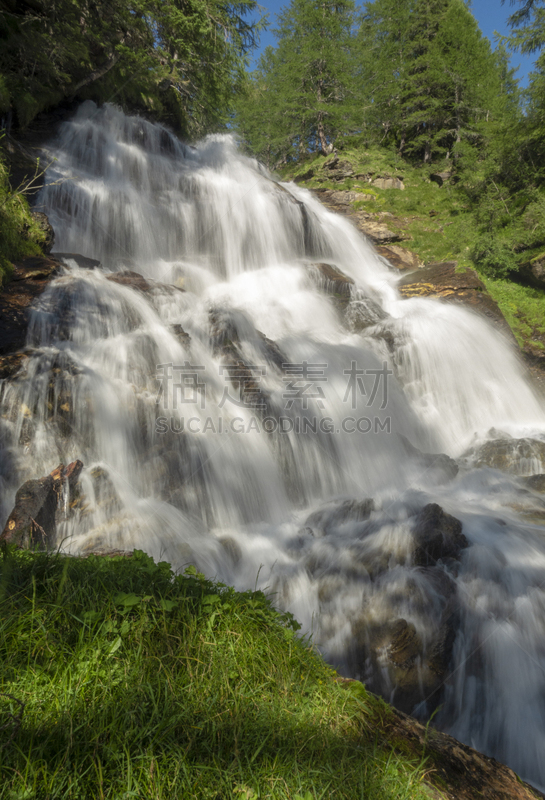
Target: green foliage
{"type": "Point", "coordinates": [430, 80]}
{"type": "Point", "coordinates": [524, 309]}
{"type": "Point", "coordinates": [181, 60]}
{"type": "Point", "coordinates": [494, 257]}
{"type": "Point", "coordinates": [137, 682]}
{"type": "Point", "coordinates": [19, 234]}
{"type": "Point", "coordinates": [300, 99]}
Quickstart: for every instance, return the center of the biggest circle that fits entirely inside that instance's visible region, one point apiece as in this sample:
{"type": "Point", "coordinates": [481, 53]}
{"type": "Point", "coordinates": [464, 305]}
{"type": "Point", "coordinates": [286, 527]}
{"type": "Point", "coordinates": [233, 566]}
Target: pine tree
{"type": "Point", "coordinates": [182, 60]}
{"type": "Point", "coordinates": [308, 78]}
{"type": "Point", "coordinates": [437, 77]}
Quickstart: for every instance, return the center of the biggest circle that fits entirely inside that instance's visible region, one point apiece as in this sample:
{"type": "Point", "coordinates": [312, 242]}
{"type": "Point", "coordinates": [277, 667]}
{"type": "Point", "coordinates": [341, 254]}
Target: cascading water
{"type": "Point", "coordinates": [234, 409]}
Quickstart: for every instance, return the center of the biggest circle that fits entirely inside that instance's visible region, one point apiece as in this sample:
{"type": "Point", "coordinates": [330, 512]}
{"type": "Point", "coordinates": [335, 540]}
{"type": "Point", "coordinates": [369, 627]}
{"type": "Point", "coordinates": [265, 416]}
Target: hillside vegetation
{"type": "Point", "coordinates": [120, 679]}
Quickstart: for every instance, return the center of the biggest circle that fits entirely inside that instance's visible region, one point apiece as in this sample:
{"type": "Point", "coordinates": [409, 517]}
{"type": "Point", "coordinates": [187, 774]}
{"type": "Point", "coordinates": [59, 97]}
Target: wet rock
{"type": "Point", "coordinates": [438, 467]}
{"type": "Point", "coordinates": [271, 352]}
{"type": "Point", "coordinates": [536, 483]}
{"type": "Point", "coordinates": [405, 664]}
{"type": "Point", "coordinates": [132, 279]}
{"type": "Point", "coordinates": [83, 262]}
{"type": "Point", "coordinates": [39, 507]}
{"type": "Point", "coordinates": [29, 279]}
{"type": "Point", "coordinates": [11, 366]}
{"type": "Point", "coordinates": [437, 536]}
{"type": "Point", "coordinates": [183, 337]}
{"type": "Point", "coordinates": [362, 313]}
{"type": "Point", "coordinates": [389, 183]}
{"type": "Point", "coordinates": [399, 257]}
{"type": "Point", "coordinates": [325, 520]}
{"type": "Point", "coordinates": [45, 226]}
{"type": "Point", "coordinates": [333, 282]}
{"type": "Point", "coordinates": [442, 280]}
{"type": "Point", "coordinates": [516, 456]}
{"type": "Point", "coordinates": [232, 549]}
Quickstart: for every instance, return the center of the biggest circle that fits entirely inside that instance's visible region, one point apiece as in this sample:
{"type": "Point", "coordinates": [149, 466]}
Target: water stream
{"type": "Point", "coordinates": [235, 410]}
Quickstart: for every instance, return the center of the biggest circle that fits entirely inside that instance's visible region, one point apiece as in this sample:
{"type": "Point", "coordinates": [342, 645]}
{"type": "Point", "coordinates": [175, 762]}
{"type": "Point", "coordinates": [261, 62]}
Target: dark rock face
{"type": "Point", "coordinates": [437, 536]}
{"type": "Point", "coordinates": [534, 271]}
{"type": "Point", "coordinates": [183, 337]}
{"type": "Point", "coordinates": [30, 278]}
{"type": "Point", "coordinates": [516, 456]}
{"type": "Point", "coordinates": [442, 280]}
{"type": "Point", "coordinates": [39, 506]}
{"type": "Point", "coordinates": [306, 176]}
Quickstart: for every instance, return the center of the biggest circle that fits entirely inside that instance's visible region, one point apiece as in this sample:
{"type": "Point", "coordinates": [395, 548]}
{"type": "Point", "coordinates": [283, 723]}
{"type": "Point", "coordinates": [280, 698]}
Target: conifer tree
{"type": "Point", "coordinates": [309, 78]}
{"type": "Point", "coordinates": [443, 77]}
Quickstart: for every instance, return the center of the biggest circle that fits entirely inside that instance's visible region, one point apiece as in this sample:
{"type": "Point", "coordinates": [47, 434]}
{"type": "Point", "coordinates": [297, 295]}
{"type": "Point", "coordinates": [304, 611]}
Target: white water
{"type": "Point", "coordinates": [213, 223]}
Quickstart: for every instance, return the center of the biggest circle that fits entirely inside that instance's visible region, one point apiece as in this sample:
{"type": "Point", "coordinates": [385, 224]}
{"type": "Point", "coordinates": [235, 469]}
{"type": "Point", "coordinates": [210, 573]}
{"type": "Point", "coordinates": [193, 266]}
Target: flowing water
{"type": "Point", "coordinates": [236, 411]}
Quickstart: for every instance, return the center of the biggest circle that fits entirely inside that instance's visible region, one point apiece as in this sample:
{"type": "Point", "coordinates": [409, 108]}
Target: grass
{"type": "Point", "coordinates": [138, 683]}
{"type": "Point", "coordinates": [523, 307]}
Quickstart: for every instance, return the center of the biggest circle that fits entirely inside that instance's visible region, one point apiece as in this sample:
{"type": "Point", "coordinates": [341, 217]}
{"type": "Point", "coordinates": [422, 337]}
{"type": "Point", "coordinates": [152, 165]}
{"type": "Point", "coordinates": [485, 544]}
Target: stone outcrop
{"type": "Point", "coordinates": [442, 280]}
{"type": "Point", "coordinates": [437, 535]}
{"type": "Point", "coordinates": [40, 506]}
{"type": "Point", "coordinates": [516, 456]}
{"type": "Point", "coordinates": [399, 257]}
{"type": "Point", "coordinates": [29, 279]}
{"type": "Point", "coordinates": [388, 183]}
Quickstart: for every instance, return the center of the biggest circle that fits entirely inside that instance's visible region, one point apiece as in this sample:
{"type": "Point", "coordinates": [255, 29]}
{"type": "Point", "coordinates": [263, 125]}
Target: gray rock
{"type": "Point", "coordinates": [437, 536]}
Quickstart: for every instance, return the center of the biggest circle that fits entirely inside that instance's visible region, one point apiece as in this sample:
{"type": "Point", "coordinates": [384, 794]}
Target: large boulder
{"type": "Point", "coordinates": [39, 507]}
{"type": "Point", "coordinates": [516, 456]}
{"type": "Point", "coordinates": [437, 535]}
{"type": "Point", "coordinates": [443, 281]}
{"type": "Point", "coordinates": [405, 665]}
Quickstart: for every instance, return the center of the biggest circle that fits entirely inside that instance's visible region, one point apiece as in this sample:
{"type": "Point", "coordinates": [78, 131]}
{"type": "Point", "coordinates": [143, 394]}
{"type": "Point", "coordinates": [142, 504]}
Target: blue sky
{"type": "Point", "coordinates": [490, 14]}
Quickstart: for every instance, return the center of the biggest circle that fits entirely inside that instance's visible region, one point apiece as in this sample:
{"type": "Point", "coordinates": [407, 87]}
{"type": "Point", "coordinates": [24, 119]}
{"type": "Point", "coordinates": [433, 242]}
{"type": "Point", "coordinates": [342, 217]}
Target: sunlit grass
{"type": "Point", "coordinates": [139, 683]}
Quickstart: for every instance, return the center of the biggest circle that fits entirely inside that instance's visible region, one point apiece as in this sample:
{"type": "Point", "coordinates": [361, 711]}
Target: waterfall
{"type": "Point", "coordinates": [249, 393]}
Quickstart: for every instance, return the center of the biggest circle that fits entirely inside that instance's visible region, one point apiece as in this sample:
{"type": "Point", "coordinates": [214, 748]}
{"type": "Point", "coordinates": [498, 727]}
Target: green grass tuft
{"type": "Point", "coordinates": [139, 683]}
